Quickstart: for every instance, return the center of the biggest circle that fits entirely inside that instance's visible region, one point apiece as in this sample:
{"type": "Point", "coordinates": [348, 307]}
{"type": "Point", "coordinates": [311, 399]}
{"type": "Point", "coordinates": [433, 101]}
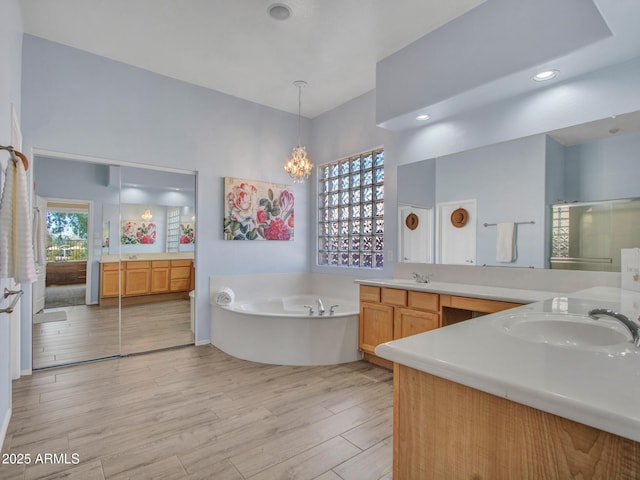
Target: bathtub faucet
{"type": "Point", "coordinates": [320, 307]}
{"type": "Point", "coordinates": [310, 309]}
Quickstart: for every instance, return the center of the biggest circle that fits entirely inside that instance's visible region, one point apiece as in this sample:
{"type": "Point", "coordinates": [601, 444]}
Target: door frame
{"type": "Point", "coordinates": [89, 204]}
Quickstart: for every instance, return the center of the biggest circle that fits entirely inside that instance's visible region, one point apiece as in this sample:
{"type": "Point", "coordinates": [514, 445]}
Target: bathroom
{"type": "Point", "coordinates": [94, 107]}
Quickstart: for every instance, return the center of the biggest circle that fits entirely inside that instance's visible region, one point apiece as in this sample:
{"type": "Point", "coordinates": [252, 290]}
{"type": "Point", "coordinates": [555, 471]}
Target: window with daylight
{"type": "Point", "coordinates": [351, 211]}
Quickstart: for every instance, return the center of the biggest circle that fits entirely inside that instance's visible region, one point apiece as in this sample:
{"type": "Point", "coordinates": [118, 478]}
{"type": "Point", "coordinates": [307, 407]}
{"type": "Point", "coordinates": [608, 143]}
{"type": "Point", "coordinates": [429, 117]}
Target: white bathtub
{"type": "Point", "coordinates": [280, 331]}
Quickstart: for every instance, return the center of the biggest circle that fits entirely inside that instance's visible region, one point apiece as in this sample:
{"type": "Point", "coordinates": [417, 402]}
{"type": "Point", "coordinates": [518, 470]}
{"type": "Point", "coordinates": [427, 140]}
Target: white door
{"type": "Point", "coordinates": [415, 234]}
{"type": "Point", "coordinates": [457, 243]}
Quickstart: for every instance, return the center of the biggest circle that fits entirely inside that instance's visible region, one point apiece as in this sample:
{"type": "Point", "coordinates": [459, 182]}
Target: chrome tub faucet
{"type": "Point", "coordinates": [320, 306]}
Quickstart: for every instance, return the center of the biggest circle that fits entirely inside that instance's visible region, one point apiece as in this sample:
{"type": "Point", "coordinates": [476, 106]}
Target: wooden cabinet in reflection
{"type": "Point", "coordinates": [142, 281]}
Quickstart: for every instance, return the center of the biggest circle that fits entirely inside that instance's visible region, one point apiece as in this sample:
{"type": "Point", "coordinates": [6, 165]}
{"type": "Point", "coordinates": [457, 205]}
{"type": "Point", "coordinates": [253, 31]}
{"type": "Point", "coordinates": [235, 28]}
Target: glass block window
{"type": "Point", "coordinates": [351, 211]}
{"type": "Point", "coordinates": [560, 239]}
{"type": "Point", "coordinates": [173, 230]}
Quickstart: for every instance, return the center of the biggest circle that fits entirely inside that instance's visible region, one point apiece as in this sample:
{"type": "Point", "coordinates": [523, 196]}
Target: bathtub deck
{"type": "Point", "coordinates": [198, 413]}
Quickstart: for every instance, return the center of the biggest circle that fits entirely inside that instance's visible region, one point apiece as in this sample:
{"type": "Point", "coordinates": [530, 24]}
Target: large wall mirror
{"type": "Point", "coordinates": [117, 275]}
{"type": "Point", "coordinates": [593, 166]}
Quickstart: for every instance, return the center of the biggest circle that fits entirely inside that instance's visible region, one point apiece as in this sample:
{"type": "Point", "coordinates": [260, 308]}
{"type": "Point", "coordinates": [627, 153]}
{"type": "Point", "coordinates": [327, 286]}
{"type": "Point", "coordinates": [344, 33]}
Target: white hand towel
{"type": "Point", "coordinates": [16, 247]}
{"type": "Point", "coordinates": [506, 242]}
{"type": "Point", "coordinates": [225, 297]}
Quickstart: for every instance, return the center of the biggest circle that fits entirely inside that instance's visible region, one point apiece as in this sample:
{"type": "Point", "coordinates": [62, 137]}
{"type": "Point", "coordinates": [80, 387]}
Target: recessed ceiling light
{"type": "Point", "coordinates": [279, 11]}
{"type": "Point", "coordinates": [546, 75]}
{"type": "Point", "coordinates": [424, 116]}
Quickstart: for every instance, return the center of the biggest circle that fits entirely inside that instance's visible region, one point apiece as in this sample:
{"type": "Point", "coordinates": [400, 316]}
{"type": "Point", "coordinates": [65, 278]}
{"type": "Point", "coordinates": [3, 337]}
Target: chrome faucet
{"type": "Point", "coordinates": [320, 306]}
{"type": "Point", "coordinates": [424, 278]}
{"type": "Point", "coordinates": [632, 326]}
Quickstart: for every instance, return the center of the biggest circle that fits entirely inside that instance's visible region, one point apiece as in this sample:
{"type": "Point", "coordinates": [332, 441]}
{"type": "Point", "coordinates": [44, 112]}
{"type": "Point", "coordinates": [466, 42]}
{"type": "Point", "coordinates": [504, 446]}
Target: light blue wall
{"type": "Point", "coordinates": [76, 102]}
{"type": "Point", "coordinates": [418, 183]}
{"type": "Point", "coordinates": [508, 182]}
{"type": "Point", "coordinates": [604, 170]}
{"type": "Point", "coordinates": [10, 47]}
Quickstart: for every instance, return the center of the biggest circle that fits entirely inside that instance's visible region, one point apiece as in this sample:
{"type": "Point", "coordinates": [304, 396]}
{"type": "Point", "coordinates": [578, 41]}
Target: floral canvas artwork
{"type": "Point", "coordinates": [134, 233]}
{"type": "Point", "coordinates": [187, 234]}
{"type": "Point", "coordinates": [257, 210]}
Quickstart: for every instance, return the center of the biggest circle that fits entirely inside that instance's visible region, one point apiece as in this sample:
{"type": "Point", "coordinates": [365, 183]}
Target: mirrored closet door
{"type": "Point", "coordinates": [119, 269]}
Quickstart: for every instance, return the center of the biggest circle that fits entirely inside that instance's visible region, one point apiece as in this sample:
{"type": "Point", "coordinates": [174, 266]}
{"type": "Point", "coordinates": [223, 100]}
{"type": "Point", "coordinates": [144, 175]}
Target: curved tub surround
{"type": "Point", "coordinates": [586, 385]}
{"type": "Point", "coordinates": [280, 330]}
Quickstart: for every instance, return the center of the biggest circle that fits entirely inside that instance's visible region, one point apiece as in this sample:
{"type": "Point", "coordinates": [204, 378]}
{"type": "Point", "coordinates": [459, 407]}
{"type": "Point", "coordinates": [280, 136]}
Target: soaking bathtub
{"type": "Point", "coordinates": [280, 330]}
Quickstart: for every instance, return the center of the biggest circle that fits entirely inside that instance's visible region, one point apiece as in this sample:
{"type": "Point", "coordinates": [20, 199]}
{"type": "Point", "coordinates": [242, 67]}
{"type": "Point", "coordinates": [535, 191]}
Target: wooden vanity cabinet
{"type": "Point", "coordinates": [145, 281]}
{"type": "Point", "coordinates": [391, 313]}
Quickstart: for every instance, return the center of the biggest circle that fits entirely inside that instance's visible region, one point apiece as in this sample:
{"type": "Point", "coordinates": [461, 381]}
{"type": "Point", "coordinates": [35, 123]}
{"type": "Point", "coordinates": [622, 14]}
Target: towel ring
{"type": "Point", "coordinates": [15, 153]}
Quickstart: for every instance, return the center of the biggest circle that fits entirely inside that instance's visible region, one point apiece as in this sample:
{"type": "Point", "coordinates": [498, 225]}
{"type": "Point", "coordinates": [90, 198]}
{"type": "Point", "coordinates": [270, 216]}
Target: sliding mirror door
{"type": "Point", "coordinates": [69, 324]}
{"type": "Point", "coordinates": [156, 235]}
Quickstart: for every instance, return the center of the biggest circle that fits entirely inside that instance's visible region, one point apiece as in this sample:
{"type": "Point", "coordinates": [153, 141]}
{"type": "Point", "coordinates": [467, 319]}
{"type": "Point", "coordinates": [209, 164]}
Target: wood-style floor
{"type": "Point", "coordinates": [91, 332]}
{"type": "Point", "coordinates": [198, 413]}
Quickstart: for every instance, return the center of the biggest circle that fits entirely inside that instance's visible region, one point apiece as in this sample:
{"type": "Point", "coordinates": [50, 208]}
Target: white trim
{"type": "Point", "coordinates": [26, 372]}
{"type": "Point", "coordinates": [200, 343]}
{"type": "Point", "coordinates": [42, 152]}
{"type": "Point", "coordinates": [5, 427]}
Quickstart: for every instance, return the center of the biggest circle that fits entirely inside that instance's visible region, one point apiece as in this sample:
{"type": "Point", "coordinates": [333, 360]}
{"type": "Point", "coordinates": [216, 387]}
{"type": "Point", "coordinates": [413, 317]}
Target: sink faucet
{"type": "Point", "coordinates": [320, 306]}
{"type": "Point", "coordinates": [632, 326]}
{"type": "Point", "coordinates": [424, 278]}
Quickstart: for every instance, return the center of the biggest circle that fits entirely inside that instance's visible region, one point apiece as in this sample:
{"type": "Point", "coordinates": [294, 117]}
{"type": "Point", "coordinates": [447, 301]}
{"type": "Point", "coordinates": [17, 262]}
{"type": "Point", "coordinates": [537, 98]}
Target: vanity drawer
{"type": "Point", "coordinates": [393, 296]}
{"type": "Point", "coordinates": [180, 263]}
{"type": "Point", "coordinates": [110, 267]}
{"type": "Point", "coordinates": [137, 265]}
{"type": "Point", "coordinates": [424, 300]}
{"type": "Point", "coordinates": [369, 294]}
{"type": "Point", "coordinates": [477, 304]}
{"type": "Point", "coordinates": [160, 264]}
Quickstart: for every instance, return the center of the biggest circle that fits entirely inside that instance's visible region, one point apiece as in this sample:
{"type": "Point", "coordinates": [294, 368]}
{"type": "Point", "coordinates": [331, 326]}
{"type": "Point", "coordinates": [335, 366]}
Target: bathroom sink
{"type": "Point", "coordinates": [563, 330]}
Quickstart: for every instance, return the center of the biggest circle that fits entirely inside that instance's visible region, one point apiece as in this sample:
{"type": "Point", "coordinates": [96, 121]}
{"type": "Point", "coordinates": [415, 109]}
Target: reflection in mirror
{"type": "Point", "coordinates": [519, 181]}
{"type": "Point", "coordinates": [590, 236]}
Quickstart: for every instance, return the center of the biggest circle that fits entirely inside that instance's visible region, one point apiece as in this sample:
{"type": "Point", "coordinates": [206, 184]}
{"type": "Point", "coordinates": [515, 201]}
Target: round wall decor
{"type": "Point", "coordinates": [412, 221]}
{"type": "Point", "coordinates": [459, 217]}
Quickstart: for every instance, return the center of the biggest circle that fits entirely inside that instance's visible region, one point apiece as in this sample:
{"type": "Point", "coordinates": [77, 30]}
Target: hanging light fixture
{"type": "Point", "coordinates": [298, 166]}
{"type": "Point", "coordinates": [146, 216]}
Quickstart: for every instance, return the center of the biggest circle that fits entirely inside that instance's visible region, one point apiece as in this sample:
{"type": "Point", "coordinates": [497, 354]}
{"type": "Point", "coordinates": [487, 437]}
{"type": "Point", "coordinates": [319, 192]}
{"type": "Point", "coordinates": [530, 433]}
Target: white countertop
{"type": "Point", "coordinates": [515, 295]}
{"type": "Point", "coordinates": [142, 257]}
{"type": "Point", "coordinates": [596, 386]}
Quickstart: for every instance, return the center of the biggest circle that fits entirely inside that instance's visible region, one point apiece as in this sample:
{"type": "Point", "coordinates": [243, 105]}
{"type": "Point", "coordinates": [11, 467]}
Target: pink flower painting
{"type": "Point", "coordinates": [138, 234]}
{"type": "Point", "coordinates": [257, 210]}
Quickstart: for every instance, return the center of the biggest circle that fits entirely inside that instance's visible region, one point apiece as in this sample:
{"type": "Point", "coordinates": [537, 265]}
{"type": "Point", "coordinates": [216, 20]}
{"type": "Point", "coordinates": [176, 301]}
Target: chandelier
{"type": "Point", "coordinates": [298, 166]}
{"type": "Point", "coordinates": [146, 216]}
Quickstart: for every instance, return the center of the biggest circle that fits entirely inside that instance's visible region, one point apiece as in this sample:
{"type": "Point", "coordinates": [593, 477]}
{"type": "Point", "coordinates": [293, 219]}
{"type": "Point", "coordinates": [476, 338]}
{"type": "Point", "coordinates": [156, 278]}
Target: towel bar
{"type": "Point", "coordinates": [7, 293]}
{"type": "Point", "coordinates": [517, 223]}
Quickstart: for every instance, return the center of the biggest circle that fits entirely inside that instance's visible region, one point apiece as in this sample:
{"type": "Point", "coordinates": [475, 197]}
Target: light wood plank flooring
{"type": "Point", "coordinates": [198, 413]}
{"type": "Point", "coordinates": [91, 332]}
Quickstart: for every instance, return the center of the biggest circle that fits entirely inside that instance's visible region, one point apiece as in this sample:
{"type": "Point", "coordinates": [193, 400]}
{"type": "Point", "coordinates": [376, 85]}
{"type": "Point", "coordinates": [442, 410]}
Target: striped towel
{"type": "Point", "coordinates": [16, 247]}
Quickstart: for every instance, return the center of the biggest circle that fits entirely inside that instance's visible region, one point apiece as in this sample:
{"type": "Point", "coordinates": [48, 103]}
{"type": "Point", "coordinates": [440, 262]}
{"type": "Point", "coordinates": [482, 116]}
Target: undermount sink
{"type": "Point", "coordinates": [562, 330]}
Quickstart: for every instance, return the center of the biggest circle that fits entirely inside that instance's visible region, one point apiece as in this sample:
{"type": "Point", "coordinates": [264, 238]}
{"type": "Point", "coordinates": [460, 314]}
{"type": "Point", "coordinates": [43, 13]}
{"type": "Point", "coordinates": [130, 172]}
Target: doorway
{"type": "Point", "coordinates": [114, 201]}
{"type": "Point", "coordinates": [457, 237]}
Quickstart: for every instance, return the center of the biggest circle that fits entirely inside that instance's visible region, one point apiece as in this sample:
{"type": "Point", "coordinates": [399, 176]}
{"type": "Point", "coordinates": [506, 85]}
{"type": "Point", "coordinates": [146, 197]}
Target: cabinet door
{"type": "Point", "coordinates": [109, 282]}
{"type": "Point", "coordinates": [159, 280]}
{"type": "Point", "coordinates": [137, 278]}
{"type": "Point", "coordinates": [376, 325]}
{"type": "Point", "coordinates": [410, 322]}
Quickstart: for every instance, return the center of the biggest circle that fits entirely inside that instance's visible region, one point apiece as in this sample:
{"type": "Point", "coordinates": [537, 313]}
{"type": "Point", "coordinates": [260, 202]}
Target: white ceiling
{"type": "Point", "coordinates": [235, 47]}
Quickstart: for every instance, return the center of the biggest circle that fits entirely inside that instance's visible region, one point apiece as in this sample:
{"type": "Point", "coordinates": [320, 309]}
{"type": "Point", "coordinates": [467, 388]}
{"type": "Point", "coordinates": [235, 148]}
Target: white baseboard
{"type": "Point", "coordinates": [199, 343]}
{"type": "Point", "coordinates": [5, 426]}
{"type": "Point", "coordinates": [25, 372]}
